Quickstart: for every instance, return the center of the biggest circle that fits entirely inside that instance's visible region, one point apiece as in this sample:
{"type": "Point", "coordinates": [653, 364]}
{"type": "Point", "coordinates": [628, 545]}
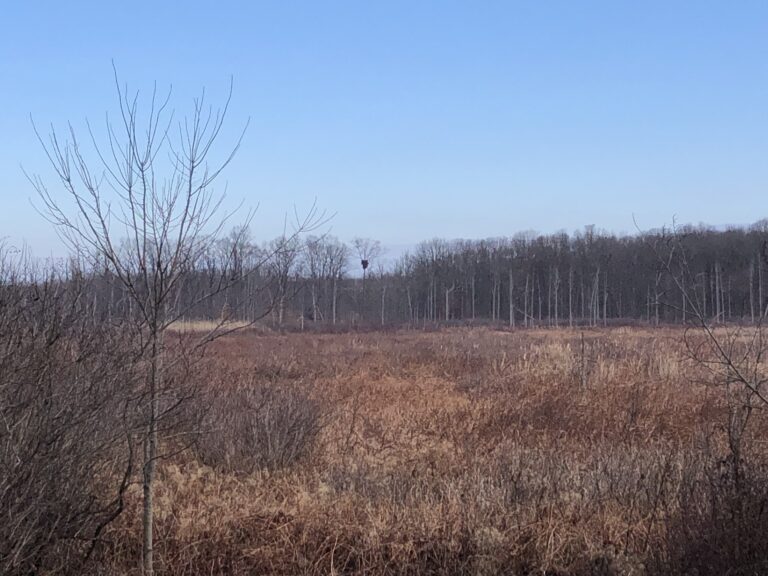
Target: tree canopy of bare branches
{"type": "Point", "coordinates": [143, 205]}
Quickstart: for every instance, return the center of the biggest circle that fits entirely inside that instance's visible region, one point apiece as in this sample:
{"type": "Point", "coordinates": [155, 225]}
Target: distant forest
{"type": "Point", "coordinates": [590, 278]}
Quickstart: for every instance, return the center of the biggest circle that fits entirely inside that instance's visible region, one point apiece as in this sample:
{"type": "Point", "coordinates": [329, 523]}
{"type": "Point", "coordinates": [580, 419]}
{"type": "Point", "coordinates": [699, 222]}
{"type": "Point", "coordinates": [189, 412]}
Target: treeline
{"type": "Point", "coordinates": [587, 278]}
{"type": "Point", "coordinates": [590, 277]}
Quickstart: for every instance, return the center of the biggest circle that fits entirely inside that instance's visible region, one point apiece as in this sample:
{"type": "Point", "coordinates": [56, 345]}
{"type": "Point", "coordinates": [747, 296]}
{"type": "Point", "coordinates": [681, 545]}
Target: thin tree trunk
{"type": "Point", "coordinates": [362, 305]}
{"type": "Point", "coordinates": [428, 304]}
{"type": "Point", "coordinates": [448, 292]}
{"type": "Point", "coordinates": [150, 453]}
{"type": "Point", "coordinates": [473, 296]}
{"type": "Point", "coordinates": [434, 301]}
{"type": "Point", "coordinates": [525, 303]}
{"type": "Point", "coordinates": [498, 298]}
{"type": "Point", "coordinates": [595, 299]}
{"type": "Point", "coordinates": [570, 297]}
{"type": "Point", "coordinates": [760, 287]}
{"type": "Point", "coordinates": [315, 315]}
{"type": "Point", "coordinates": [648, 304]}
{"type": "Point", "coordinates": [549, 297]}
{"type": "Point", "coordinates": [493, 299]}
{"type": "Point", "coordinates": [410, 304]}
{"type": "Point", "coordinates": [538, 283]}
{"type": "Point", "coordinates": [685, 299]}
{"type": "Point", "coordinates": [383, 296]}
{"type": "Point", "coordinates": [752, 291]}
{"type": "Point", "coordinates": [334, 300]}
{"type": "Point", "coordinates": [718, 310]}
{"type": "Point", "coordinates": [447, 305]}
{"type": "Point", "coordinates": [511, 300]}
{"type": "Point", "coordinates": [557, 298]}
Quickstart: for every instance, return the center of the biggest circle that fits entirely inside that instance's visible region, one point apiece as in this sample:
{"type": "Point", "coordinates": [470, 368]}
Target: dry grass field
{"type": "Point", "coordinates": [461, 451]}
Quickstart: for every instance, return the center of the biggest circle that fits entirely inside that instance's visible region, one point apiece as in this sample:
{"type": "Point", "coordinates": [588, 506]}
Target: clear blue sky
{"type": "Point", "coordinates": [419, 119]}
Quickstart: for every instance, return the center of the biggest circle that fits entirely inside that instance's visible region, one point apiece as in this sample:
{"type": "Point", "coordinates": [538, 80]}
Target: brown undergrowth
{"type": "Point", "coordinates": [464, 451]}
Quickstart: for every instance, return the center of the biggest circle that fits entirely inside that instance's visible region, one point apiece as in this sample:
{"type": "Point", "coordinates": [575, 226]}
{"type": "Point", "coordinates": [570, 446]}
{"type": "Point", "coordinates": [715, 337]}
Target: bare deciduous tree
{"type": "Point", "coordinates": [282, 263]}
{"type": "Point", "coordinates": [732, 358]}
{"type": "Point", "coordinates": [367, 250]}
{"type": "Point", "coordinates": [145, 207]}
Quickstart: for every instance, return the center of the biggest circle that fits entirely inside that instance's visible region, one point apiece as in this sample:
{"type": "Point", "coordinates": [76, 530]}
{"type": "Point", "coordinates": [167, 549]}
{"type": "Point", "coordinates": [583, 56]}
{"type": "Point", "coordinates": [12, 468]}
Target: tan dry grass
{"type": "Point", "coordinates": [465, 451]}
{"type": "Point", "coordinates": [190, 326]}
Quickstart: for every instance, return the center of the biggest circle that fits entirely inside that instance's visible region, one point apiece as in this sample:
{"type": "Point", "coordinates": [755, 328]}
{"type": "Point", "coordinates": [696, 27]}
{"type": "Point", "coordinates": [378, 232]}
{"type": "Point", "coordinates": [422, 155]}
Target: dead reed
{"type": "Point", "coordinates": [464, 451]}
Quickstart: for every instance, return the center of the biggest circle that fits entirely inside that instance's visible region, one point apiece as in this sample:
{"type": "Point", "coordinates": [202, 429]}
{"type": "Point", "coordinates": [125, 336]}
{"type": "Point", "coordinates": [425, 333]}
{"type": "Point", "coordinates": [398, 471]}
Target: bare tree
{"type": "Point", "coordinates": [325, 260]}
{"type": "Point", "coordinates": [336, 257]}
{"type": "Point", "coordinates": [145, 207]}
{"type": "Point", "coordinates": [283, 264]}
{"type": "Point", "coordinates": [367, 251]}
{"type": "Point", "coordinates": [731, 357]}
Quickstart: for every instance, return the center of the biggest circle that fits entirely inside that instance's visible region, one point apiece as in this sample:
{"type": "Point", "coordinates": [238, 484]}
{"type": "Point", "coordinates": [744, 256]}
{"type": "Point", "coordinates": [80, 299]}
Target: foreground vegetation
{"type": "Point", "coordinates": [465, 451]}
